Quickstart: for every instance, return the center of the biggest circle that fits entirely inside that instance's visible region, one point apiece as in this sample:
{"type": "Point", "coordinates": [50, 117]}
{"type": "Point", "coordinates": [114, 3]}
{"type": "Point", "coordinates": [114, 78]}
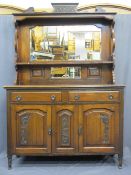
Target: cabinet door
{"type": "Point", "coordinates": [64, 129]}
{"type": "Point", "coordinates": [30, 127]}
{"type": "Point", "coordinates": [99, 128]}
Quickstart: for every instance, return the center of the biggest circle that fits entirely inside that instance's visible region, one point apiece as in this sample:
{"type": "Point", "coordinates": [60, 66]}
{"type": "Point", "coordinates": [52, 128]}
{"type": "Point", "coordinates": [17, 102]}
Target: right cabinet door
{"type": "Point", "coordinates": [98, 128]}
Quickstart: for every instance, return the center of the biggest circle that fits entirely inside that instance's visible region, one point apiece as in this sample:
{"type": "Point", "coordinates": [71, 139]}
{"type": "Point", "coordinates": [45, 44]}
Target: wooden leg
{"type": "Point", "coordinates": [9, 161]}
{"type": "Point", "coordinates": [120, 161]}
{"type": "Point", "coordinates": [18, 156]}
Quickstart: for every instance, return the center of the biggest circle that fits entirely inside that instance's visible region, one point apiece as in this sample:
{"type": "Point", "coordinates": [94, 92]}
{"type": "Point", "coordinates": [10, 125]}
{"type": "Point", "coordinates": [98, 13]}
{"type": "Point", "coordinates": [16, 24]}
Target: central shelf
{"type": "Point", "coordinates": [63, 62]}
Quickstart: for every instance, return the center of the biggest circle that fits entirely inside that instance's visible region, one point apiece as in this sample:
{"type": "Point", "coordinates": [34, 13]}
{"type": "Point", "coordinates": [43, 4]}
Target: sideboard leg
{"type": "Point", "coordinates": [17, 156]}
{"type": "Point", "coordinates": [120, 161]}
{"type": "Point", "coordinates": [9, 162]}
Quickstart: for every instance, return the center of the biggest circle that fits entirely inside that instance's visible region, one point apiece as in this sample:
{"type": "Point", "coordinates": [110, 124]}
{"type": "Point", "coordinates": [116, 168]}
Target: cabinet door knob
{"type": "Point", "coordinates": [18, 98]}
{"type": "Point", "coordinates": [49, 131]}
{"type": "Point", "coordinates": [77, 97]}
{"type": "Point", "coordinates": [110, 96]}
{"type": "Point", "coordinates": [53, 97]}
{"type": "Point", "coordinates": [80, 130]}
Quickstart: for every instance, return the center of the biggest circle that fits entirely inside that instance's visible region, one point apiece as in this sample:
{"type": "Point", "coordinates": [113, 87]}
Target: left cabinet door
{"type": "Point", "coordinates": [31, 125]}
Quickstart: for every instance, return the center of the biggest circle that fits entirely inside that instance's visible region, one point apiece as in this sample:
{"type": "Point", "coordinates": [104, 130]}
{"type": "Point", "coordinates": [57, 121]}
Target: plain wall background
{"type": "Point", "coordinates": [122, 69]}
{"type": "Point", "coordinates": [7, 69]}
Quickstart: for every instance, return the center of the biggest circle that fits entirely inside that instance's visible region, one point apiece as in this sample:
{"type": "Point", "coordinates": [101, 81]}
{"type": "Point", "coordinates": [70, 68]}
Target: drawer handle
{"type": "Point", "coordinates": [77, 97]}
{"type": "Point", "coordinates": [18, 98]}
{"type": "Point", "coordinates": [53, 97]}
{"type": "Point", "coordinates": [49, 131]}
{"type": "Point", "coordinates": [110, 96]}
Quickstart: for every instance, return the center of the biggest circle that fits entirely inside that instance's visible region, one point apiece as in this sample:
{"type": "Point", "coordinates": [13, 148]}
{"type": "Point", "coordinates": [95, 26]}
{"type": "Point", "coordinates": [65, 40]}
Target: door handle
{"type": "Point", "coordinates": [80, 130]}
{"type": "Point", "coordinates": [49, 131]}
{"type": "Point", "coordinates": [77, 97]}
{"type": "Point", "coordinates": [53, 97]}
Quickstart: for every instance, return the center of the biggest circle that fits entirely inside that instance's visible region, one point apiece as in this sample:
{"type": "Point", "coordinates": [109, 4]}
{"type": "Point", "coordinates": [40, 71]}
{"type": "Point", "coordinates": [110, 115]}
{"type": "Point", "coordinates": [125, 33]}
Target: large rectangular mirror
{"type": "Point", "coordinates": [76, 42]}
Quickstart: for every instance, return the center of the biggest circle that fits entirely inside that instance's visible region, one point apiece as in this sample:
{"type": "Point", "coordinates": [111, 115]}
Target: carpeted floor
{"type": "Point", "coordinates": [101, 165]}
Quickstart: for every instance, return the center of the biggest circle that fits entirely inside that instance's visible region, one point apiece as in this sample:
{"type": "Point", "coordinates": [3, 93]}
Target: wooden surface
{"type": "Point", "coordinates": [114, 86]}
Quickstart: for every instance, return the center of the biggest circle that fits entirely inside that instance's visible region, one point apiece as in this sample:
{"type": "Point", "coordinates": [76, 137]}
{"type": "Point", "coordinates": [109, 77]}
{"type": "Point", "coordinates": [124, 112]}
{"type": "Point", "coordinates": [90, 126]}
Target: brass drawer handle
{"type": "Point", "coordinates": [49, 131]}
{"type": "Point", "coordinates": [18, 98]}
{"type": "Point", "coordinates": [77, 97]}
{"type": "Point", "coordinates": [53, 97]}
{"type": "Point", "coordinates": [110, 97]}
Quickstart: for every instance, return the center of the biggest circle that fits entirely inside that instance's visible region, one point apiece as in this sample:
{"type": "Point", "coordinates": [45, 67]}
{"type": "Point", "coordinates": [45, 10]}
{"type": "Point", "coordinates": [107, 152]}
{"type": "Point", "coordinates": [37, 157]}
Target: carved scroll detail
{"type": "Point", "coordinates": [24, 125]}
{"type": "Point", "coordinates": [105, 120]}
{"type": "Point", "coordinates": [23, 131]}
{"type": "Point", "coordinates": [65, 126]}
{"type": "Point", "coordinates": [65, 130]}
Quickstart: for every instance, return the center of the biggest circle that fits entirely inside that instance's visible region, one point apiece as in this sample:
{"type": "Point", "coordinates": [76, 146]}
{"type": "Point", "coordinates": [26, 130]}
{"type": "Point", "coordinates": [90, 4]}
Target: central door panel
{"type": "Point", "coordinates": [64, 129]}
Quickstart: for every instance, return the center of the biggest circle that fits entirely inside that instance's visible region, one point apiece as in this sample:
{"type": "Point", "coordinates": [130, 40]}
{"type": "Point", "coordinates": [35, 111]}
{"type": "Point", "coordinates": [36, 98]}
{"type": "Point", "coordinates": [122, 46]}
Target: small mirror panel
{"type": "Point", "coordinates": [65, 72]}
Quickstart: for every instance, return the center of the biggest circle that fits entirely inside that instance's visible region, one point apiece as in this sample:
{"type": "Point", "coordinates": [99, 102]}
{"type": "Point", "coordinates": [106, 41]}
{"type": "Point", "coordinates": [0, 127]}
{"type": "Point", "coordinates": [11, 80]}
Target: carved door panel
{"type": "Point", "coordinates": [98, 128]}
{"type": "Point", "coordinates": [65, 129]}
{"type": "Point", "coordinates": [31, 128]}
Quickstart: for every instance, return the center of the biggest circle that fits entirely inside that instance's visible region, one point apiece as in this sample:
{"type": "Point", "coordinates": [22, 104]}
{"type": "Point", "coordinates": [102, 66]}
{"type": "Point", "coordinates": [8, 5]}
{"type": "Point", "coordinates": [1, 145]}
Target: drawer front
{"type": "Point", "coordinates": [94, 96]}
{"type": "Point", "coordinates": [36, 96]}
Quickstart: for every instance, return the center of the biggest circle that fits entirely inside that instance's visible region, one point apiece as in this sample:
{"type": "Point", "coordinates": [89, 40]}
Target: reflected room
{"type": "Point", "coordinates": [76, 42]}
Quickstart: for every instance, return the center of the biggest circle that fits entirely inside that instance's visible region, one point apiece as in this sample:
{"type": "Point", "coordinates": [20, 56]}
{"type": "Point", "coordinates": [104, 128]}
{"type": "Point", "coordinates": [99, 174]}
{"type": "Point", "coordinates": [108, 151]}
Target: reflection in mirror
{"type": "Point", "coordinates": [81, 42]}
{"type": "Point", "coordinates": [66, 72]}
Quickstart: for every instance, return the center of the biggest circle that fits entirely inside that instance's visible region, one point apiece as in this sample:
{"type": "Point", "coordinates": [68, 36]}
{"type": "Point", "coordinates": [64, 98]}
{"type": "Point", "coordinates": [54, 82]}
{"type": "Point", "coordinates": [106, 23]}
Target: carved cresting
{"type": "Point", "coordinates": [105, 120]}
{"type": "Point", "coordinates": [65, 126]}
{"type": "Point", "coordinates": [24, 125]}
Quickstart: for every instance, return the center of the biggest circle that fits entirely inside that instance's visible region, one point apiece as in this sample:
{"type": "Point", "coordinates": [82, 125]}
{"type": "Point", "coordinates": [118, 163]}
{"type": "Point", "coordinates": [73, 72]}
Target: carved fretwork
{"type": "Point", "coordinates": [105, 120]}
{"type": "Point", "coordinates": [65, 130]}
{"type": "Point", "coordinates": [24, 125]}
{"type": "Point", "coordinates": [65, 126]}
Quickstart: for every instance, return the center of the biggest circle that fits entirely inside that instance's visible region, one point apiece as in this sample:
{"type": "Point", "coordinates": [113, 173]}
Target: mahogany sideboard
{"type": "Point", "coordinates": [65, 120]}
{"type": "Point", "coordinates": [65, 100]}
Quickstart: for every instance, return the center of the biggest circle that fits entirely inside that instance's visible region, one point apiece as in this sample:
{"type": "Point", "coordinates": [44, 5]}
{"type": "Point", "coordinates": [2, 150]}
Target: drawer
{"type": "Point", "coordinates": [36, 96]}
{"type": "Point", "coordinates": [94, 96]}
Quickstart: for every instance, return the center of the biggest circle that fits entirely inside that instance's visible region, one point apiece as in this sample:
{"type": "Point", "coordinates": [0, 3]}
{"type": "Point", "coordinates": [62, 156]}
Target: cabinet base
{"type": "Point", "coordinates": [120, 160]}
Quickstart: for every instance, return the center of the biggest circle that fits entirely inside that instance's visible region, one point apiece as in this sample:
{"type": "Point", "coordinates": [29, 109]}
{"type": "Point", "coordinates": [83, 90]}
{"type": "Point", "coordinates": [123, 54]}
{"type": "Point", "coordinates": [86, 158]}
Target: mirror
{"type": "Point", "coordinates": [76, 42]}
{"type": "Point", "coordinates": [65, 72]}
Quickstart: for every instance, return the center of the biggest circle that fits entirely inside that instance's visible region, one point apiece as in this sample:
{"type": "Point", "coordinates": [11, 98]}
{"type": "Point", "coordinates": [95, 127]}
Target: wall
{"type": "Point", "coordinates": [123, 71]}
{"type": "Point", "coordinates": [7, 71]}
{"type": "Point", "coordinates": [123, 68]}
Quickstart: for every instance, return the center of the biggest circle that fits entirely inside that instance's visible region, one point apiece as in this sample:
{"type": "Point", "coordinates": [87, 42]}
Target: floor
{"type": "Point", "coordinates": [102, 165]}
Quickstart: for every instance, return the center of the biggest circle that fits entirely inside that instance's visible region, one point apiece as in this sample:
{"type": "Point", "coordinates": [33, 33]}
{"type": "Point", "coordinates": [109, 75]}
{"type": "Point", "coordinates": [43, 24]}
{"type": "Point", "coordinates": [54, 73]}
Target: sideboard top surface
{"type": "Point", "coordinates": [112, 86]}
